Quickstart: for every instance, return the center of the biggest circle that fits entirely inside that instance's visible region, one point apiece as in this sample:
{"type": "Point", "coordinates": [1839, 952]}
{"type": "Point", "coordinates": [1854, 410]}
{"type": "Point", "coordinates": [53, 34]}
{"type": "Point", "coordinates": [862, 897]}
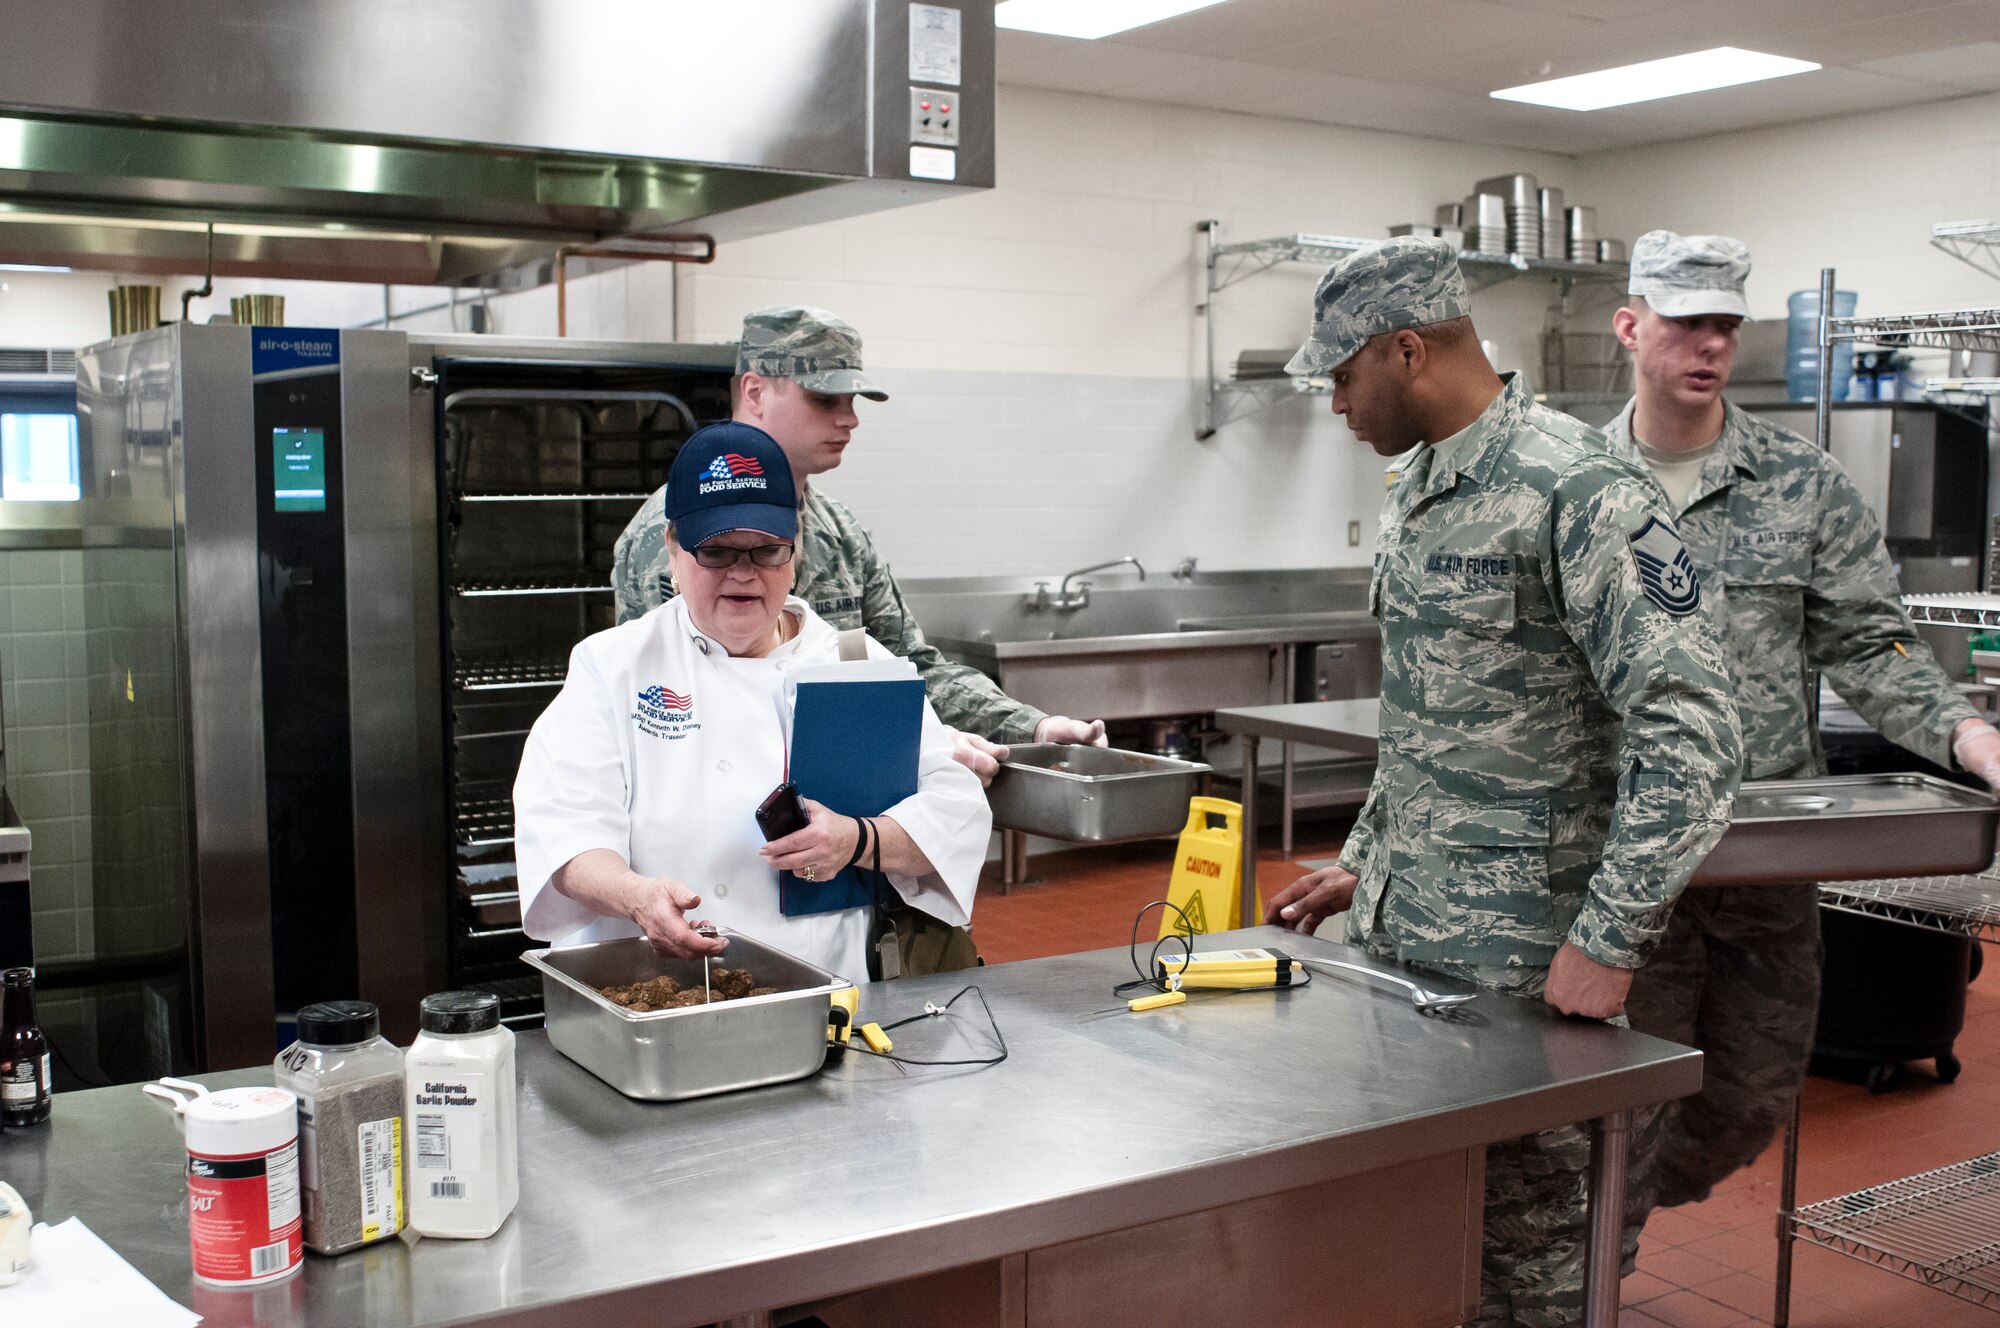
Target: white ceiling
{"type": "Point", "coordinates": [1425, 66]}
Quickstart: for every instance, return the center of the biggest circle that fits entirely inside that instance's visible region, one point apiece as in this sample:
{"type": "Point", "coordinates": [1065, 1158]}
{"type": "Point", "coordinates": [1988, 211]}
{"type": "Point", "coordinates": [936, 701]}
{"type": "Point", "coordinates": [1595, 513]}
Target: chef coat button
{"type": "Point", "coordinates": [721, 890]}
{"type": "Point", "coordinates": [723, 766]}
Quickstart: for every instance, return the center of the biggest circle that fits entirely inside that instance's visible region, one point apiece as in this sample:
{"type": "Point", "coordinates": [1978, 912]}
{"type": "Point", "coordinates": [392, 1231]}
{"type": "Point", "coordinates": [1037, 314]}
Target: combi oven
{"type": "Point", "coordinates": [358, 561]}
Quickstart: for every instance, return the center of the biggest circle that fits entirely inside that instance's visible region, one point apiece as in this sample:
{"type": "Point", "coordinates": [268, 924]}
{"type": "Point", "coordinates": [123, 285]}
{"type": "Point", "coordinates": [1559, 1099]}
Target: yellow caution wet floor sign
{"type": "Point", "coordinates": [1208, 869]}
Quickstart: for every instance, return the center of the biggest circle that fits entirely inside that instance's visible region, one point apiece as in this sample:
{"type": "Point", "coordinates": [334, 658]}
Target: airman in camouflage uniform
{"type": "Point", "coordinates": [1558, 750]}
{"type": "Point", "coordinates": [839, 572]}
{"type": "Point", "coordinates": [1796, 579]}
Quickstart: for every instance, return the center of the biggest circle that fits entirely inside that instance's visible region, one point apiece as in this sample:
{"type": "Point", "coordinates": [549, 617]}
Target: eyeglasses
{"type": "Point", "coordinates": [717, 557]}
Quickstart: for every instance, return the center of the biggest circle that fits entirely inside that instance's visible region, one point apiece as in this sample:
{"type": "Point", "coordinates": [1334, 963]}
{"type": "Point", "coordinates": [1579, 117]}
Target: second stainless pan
{"type": "Point", "coordinates": [1853, 828]}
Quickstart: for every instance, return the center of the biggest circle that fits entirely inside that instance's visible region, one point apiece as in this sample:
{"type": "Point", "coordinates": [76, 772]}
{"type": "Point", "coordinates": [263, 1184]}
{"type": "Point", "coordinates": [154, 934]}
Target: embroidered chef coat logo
{"type": "Point", "coordinates": [1666, 573]}
{"type": "Point", "coordinates": [664, 713]}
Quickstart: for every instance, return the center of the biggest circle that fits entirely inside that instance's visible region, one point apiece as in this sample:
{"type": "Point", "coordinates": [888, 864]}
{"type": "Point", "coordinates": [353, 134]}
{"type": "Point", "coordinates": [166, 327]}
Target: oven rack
{"type": "Point", "coordinates": [508, 675]}
{"type": "Point", "coordinates": [1940, 1228]}
{"type": "Point", "coordinates": [480, 822]}
{"type": "Point", "coordinates": [474, 587]}
{"type": "Point", "coordinates": [1957, 905]}
{"type": "Point", "coordinates": [520, 999]}
{"type": "Point", "coordinates": [556, 495]}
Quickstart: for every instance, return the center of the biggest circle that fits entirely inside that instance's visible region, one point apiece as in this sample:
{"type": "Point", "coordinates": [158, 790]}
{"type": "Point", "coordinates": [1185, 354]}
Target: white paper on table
{"type": "Point", "coordinates": [75, 1278]}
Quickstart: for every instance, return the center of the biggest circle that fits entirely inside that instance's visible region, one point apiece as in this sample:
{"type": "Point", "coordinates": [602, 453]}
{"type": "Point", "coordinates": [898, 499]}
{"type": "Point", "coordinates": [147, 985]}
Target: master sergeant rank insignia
{"type": "Point", "coordinates": [1666, 573]}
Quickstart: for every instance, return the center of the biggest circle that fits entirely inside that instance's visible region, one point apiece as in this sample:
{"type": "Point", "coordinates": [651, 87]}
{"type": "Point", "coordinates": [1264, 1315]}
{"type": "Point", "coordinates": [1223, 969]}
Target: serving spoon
{"type": "Point", "coordinates": [1423, 998]}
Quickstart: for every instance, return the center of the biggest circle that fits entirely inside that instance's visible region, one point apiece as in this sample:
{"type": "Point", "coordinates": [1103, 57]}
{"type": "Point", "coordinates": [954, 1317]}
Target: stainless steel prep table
{"type": "Point", "coordinates": [1341, 726]}
{"type": "Point", "coordinates": [1115, 1164]}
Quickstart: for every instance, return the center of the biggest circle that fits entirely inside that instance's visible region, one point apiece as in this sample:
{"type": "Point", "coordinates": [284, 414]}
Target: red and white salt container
{"type": "Point", "coordinates": [243, 1180]}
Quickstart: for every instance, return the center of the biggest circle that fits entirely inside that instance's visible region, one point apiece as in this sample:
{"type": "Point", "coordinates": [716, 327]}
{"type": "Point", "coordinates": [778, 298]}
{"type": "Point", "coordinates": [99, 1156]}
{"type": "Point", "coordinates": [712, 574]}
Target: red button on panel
{"type": "Point", "coordinates": [924, 105]}
{"type": "Point", "coordinates": [946, 108]}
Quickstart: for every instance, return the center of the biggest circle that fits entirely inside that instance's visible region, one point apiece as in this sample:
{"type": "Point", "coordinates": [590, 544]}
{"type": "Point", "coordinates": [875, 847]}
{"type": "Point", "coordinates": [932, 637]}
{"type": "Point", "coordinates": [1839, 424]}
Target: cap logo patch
{"type": "Point", "coordinates": [731, 471]}
{"type": "Point", "coordinates": [1666, 573]}
{"type": "Point", "coordinates": [731, 464]}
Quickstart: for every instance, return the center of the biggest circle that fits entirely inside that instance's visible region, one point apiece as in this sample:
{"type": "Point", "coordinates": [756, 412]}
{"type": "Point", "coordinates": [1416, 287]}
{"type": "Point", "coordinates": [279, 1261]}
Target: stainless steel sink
{"type": "Point", "coordinates": [1159, 648]}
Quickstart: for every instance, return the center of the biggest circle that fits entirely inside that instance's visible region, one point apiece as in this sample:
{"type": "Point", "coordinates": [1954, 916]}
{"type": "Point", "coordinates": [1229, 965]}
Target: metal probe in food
{"type": "Point", "coordinates": [707, 993]}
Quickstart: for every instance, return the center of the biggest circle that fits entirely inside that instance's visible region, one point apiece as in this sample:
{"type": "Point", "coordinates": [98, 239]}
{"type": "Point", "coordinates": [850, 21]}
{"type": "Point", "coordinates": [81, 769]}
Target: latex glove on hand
{"type": "Point", "coordinates": [1073, 732]}
{"type": "Point", "coordinates": [1975, 745]}
{"type": "Point", "coordinates": [1312, 899]}
{"type": "Point", "coordinates": [981, 757]}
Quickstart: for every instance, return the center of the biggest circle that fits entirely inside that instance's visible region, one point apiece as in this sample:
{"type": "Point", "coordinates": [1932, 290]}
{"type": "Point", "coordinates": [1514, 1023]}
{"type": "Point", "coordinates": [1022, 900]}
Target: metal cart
{"type": "Point", "coordinates": [1939, 1227]}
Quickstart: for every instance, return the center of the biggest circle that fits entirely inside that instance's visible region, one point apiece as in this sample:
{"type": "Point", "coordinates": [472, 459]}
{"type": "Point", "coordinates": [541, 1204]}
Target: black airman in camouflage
{"type": "Point", "coordinates": [1558, 748]}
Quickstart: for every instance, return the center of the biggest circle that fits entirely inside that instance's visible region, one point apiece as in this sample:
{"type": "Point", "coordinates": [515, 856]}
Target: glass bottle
{"type": "Point", "coordinates": [25, 1086]}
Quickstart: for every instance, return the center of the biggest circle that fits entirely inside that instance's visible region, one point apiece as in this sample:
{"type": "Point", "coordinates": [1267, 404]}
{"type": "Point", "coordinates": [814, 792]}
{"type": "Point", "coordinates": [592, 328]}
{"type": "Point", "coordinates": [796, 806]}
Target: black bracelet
{"type": "Point", "coordinates": [860, 841]}
{"type": "Point", "coordinates": [877, 836]}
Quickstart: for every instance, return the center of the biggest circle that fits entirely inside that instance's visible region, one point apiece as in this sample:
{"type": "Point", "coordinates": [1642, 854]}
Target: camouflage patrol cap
{"type": "Point", "coordinates": [1410, 281]}
{"type": "Point", "coordinates": [815, 349]}
{"type": "Point", "coordinates": [1683, 276]}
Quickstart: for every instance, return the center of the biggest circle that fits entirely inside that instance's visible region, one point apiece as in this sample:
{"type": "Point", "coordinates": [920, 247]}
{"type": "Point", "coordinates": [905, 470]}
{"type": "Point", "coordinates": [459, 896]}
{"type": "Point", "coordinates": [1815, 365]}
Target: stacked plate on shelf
{"type": "Point", "coordinates": [1523, 209]}
{"type": "Point", "coordinates": [1551, 213]}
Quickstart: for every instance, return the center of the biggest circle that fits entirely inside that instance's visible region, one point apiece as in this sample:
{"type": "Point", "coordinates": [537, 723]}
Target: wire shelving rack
{"type": "Point", "coordinates": [1227, 398]}
{"type": "Point", "coordinates": [1974, 243]}
{"type": "Point", "coordinates": [1941, 1228]}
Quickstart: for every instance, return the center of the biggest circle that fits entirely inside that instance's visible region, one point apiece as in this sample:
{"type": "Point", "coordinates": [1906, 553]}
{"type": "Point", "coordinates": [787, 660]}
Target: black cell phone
{"type": "Point", "coordinates": [782, 813]}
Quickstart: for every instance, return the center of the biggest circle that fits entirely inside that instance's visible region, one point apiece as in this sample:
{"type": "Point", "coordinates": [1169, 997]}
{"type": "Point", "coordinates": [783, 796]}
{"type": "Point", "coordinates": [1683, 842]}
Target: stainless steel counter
{"type": "Point", "coordinates": [868, 1174]}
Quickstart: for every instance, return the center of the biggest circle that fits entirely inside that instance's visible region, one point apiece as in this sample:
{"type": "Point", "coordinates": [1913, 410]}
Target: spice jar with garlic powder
{"type": "Point", "coordinates": [349, 1081]}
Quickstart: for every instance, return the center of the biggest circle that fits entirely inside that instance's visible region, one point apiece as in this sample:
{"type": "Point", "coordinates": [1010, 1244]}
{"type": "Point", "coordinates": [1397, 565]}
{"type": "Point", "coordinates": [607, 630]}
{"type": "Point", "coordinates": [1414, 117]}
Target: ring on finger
{"type": "Point", "coordinates": [807, 872]}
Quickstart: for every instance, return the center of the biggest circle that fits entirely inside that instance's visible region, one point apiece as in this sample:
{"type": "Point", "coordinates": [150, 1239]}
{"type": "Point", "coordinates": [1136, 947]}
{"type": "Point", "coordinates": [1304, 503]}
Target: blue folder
{"type": "Point", "coordinates": [854, 749]}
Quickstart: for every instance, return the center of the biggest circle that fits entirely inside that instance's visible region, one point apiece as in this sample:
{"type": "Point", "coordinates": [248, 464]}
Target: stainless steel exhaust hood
{"type": "Point", "coordinates": [449, 141]}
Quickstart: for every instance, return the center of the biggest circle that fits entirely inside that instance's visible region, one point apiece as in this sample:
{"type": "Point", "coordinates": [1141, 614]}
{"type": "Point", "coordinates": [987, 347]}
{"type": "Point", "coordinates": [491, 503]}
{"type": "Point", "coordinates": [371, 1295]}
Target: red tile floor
{"type": "Point", "coordinates": [1707, 1265]}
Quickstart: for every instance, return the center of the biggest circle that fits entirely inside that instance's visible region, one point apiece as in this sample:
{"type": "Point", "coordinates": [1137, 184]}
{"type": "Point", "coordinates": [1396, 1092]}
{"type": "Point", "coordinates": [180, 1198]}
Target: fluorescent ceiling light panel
{"type": "Point", "coordinates": [1089, 18]}
{"type": "Point", "coordinates": [1650, 80]}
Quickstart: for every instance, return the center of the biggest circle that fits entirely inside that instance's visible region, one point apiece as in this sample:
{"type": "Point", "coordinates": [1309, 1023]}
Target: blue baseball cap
{"type": "Point", "coordinates": [731, 476]}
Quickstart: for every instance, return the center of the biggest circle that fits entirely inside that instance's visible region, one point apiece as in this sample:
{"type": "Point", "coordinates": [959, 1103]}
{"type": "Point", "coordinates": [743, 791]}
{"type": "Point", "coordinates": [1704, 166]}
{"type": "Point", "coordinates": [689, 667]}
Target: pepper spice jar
{"type": "Point", "coordinates": [349, 1082]}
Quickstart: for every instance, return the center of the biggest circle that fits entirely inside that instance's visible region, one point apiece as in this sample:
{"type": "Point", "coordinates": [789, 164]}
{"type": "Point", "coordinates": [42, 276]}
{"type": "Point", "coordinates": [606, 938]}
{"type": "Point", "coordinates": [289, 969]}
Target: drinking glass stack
{"type": "Point", "coordinates": [1523, 205]}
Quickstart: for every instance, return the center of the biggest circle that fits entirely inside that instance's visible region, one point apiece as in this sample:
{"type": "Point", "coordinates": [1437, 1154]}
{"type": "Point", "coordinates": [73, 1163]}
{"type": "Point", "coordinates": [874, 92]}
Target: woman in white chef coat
{"type": "Point", "coordinates": [635, 805]}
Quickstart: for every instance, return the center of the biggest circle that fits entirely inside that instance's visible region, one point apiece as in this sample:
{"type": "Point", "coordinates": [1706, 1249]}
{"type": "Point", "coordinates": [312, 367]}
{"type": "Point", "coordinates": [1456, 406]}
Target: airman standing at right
{"type": "Point", "coordinates": [1797, 579]}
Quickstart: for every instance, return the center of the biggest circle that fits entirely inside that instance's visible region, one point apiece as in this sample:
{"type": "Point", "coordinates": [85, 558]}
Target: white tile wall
{"type": "Point", "coordinates": [44, 697]}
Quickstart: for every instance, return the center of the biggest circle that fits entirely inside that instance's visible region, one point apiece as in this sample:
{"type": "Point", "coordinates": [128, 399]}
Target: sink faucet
{"type": "Point", "coordinates": [1068, 602]}
{"type": "Point", "coordinates": [1185, 571]}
